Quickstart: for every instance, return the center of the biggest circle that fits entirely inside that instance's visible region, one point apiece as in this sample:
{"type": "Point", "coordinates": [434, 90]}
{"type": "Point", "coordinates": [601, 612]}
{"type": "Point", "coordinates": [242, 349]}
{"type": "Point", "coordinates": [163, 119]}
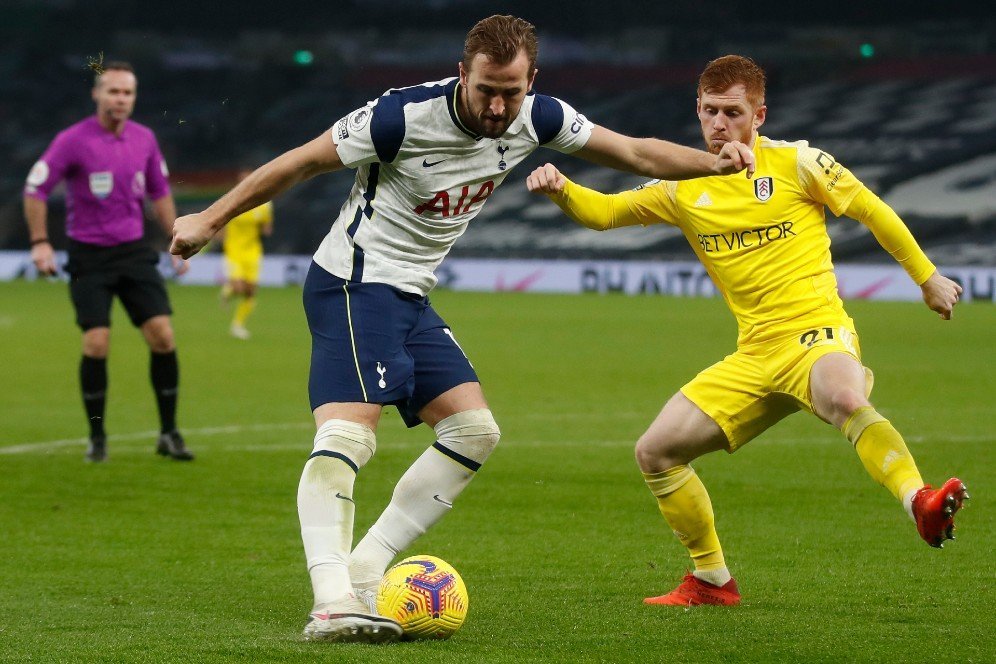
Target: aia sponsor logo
{"type": "Point", "coordinates": [441, 202]}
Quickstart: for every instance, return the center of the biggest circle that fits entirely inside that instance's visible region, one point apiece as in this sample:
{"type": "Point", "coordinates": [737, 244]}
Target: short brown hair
{"type": "Point", "coordinates": [100, 68]}
{"type": "Point", "coordinates": [501, 37]}
{"type": "Point", "coordinates": [729, 70]}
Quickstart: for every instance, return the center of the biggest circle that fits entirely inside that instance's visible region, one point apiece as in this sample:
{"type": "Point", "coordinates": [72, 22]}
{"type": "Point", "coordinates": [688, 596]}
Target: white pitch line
{"type": "Point", "coordinates": [145, 448]}
{"type": "Point", "coordinates": [238, 428]}
{"type": "Point", "coordinates": [47, 445]}
{"type": "Point", "coordinates": [50, 445]}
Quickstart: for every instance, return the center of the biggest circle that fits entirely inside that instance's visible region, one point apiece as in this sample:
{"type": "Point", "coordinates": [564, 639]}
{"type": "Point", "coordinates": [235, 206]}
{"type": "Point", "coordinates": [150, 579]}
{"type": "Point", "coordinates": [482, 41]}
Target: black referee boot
{"type": "Point", "coordinates": [96, 451]}
{"type": "Point", "coordinates": [171, 444]}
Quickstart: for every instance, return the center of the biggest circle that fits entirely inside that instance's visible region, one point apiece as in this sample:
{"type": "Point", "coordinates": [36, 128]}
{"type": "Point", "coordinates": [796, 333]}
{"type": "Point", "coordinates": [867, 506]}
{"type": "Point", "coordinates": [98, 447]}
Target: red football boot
{"type": "Point", "coordinates": [934, 510]}
{"type": "Point", "coordinates": [693, 591]}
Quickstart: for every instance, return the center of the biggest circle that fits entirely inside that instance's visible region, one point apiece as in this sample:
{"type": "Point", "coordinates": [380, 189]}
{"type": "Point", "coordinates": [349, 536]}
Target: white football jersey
{"type": "Point", "coordinates": [421, 176]}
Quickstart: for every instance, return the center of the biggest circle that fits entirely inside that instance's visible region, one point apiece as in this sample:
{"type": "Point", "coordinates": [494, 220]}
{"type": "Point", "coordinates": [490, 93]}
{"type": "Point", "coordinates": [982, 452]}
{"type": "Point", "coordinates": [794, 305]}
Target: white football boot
{"type": "Point", "coordinates": [369, 597]}
{"type": "Point", "coordinates": [239, 332]}
{"type": "Point", "coordinates": [349, 619]}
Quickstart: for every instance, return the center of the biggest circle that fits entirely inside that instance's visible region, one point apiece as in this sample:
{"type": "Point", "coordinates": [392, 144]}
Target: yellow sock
{"type": "Point", "coordinates": [685, 504]}
{"type": "Point", "coordinates": [882, 451]}
{"type": "Point", "coordinates": [243, 310]}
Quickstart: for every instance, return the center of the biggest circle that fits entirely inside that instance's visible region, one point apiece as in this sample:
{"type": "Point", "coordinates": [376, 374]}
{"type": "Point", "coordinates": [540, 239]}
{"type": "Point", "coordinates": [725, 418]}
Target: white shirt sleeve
{"type": "Point", "coordinates": [558, 126]}
{"type": "Point", "coordinates": [352, 138]}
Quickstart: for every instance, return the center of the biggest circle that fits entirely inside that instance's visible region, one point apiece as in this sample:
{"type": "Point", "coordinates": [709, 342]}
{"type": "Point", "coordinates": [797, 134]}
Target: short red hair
{"type": "Point", "coordinates": [722, 73]}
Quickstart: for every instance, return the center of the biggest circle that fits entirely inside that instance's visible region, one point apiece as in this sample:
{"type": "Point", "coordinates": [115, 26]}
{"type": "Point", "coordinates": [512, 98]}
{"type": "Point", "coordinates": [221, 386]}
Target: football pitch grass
{"type": "Point", "coordinates": [142, 559]}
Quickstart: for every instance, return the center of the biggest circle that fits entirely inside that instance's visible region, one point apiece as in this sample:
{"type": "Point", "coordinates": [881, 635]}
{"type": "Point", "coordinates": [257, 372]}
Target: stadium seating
{"type": "Point", "coordinates": [919, 137]}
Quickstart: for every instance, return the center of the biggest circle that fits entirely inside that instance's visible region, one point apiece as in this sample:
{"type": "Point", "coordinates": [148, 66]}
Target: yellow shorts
{"type": "Point", "coordinates": [755, 387]}
{"type": "Point", "coordinates": [243, 268]}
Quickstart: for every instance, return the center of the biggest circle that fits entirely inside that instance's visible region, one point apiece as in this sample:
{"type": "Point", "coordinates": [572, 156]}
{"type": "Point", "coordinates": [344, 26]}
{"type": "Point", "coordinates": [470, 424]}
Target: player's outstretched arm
{"type": "Point", "coordinates": [662, 160]}
{"type": "Point", "coordinates": [941, 294]}
{"type": "Point", "coordinates": [193, 231]}
{"type": "Point", "coordinates": [587, 207]}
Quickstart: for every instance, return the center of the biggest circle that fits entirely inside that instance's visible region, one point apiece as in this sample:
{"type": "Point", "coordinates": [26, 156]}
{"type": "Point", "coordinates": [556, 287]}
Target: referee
{"type": "Point", "coordinates": [110, 165]}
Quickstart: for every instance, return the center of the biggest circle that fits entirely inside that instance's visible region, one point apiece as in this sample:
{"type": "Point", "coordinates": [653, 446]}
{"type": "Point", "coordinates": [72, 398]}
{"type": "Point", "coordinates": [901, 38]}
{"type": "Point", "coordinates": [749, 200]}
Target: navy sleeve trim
{"type": "Point", "coordinates": [387, 127]}
{"type": "Point", "coordinates": [548, 118]}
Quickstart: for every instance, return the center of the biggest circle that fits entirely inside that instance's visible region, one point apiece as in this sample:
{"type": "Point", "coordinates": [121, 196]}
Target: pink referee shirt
{"type": "Point", "coordinates": [107, 178]}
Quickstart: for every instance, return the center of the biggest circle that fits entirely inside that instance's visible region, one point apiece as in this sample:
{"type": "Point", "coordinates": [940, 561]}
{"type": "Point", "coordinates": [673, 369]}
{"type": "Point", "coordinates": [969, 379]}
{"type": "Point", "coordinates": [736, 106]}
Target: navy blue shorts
{"type": "Point", "coordinates": [373, 343]}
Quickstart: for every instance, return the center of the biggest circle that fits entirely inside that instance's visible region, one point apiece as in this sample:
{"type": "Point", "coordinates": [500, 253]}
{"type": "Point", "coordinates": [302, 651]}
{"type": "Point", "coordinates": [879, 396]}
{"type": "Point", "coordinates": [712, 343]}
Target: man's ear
{"type": "Point", "coordinates": [760, 115]}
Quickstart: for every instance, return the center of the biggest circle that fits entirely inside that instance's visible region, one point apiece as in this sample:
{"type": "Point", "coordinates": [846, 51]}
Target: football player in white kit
{"type": "Point", "coordinates": [427, 158]}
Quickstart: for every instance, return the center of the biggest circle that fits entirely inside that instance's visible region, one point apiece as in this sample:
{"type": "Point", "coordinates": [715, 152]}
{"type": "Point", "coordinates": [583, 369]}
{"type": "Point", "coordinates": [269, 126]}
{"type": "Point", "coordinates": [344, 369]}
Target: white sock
{"type": "Point", "coordinates": [325, 505]}
{"type": "Point", "coordinates": [422, 497]}
{"type": "Point", "coordinates": [717, 577]}
{"type": "Point", "coordinates": [908, 503]}
{"type": "Point", "coordinates": [425, 493]}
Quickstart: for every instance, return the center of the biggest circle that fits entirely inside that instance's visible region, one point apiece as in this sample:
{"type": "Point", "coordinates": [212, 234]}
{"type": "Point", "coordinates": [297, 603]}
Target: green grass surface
{"type": "Point", "coordinates": [147, 560]}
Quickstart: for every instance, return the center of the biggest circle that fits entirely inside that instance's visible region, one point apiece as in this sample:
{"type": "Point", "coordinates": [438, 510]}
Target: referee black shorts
{"type": "Point", "coordinates": [127, 270]}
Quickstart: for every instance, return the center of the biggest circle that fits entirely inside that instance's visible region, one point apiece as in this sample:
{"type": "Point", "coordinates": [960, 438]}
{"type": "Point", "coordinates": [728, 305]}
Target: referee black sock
{"type": "Point", "coordinates": [93, 384]}
{"type": "Point", "coordinates": [165, 374]}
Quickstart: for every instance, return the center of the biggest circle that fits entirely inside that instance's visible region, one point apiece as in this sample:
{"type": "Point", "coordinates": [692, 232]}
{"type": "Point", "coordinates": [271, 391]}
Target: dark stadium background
{"type": "Point", "coordinates": [144, 560]}
{"type": "Point", "coordinates": [904, 94]}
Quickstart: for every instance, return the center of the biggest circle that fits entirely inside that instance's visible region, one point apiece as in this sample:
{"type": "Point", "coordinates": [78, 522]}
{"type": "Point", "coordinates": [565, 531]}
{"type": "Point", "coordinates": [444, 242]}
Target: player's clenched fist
{"type": "Point", "coordinates": [190, 234]}
{"type": "Point", "coordinates": [546, 179]}
{"type": "Point", "coordinates": [941, 294]}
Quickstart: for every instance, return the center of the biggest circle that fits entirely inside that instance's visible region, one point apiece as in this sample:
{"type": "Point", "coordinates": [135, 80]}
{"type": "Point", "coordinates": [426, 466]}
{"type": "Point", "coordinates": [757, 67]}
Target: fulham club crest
{"type": "Point", "coordinates": [763, 188]}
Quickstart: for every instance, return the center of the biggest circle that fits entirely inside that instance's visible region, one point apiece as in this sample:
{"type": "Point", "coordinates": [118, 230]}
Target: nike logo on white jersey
{"type": "Point", "coordinates": [426, 163]}
{"type": "Point", "coordinates": [703, 201]}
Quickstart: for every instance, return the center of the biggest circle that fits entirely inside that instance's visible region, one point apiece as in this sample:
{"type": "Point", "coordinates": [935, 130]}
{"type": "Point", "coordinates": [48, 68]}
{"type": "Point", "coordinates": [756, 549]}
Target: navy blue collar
{"type": "Point", "coordinates": [453, 99]}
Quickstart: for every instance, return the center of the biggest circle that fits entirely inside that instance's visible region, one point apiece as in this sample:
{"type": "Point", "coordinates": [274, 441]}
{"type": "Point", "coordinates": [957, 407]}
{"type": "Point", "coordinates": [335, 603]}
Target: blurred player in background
{"type": "Point", "coordinates": [765, 244]}
{"type": "Point", "coordinates": [111, 164]}
{"type": "Point", "coordinates": [427, 158]}
{"type": "Point", "coordinates": [243, 249]}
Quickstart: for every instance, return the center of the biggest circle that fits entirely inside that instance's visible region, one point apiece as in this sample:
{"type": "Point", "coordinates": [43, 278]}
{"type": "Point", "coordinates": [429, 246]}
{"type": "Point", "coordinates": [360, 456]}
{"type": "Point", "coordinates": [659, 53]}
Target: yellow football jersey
{"type": "Point", "coordinates": [243, 233]}
{"type": "Point", "coordinates": [763, 240]}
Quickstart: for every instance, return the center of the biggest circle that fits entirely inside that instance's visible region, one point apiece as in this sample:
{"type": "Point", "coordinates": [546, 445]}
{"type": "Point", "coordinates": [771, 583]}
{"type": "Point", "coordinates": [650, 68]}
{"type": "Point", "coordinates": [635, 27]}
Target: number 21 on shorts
{"type": "Point", "coordinates": [822, 336]}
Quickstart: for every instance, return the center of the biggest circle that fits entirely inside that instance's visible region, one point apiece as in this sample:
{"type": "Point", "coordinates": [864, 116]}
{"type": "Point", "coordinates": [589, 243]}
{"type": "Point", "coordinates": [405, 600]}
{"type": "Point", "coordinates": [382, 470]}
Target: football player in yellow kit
{"type": "Point", "coordinates": [764, 243]}
{"type": "Point", "coordinates": [243, 249]}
